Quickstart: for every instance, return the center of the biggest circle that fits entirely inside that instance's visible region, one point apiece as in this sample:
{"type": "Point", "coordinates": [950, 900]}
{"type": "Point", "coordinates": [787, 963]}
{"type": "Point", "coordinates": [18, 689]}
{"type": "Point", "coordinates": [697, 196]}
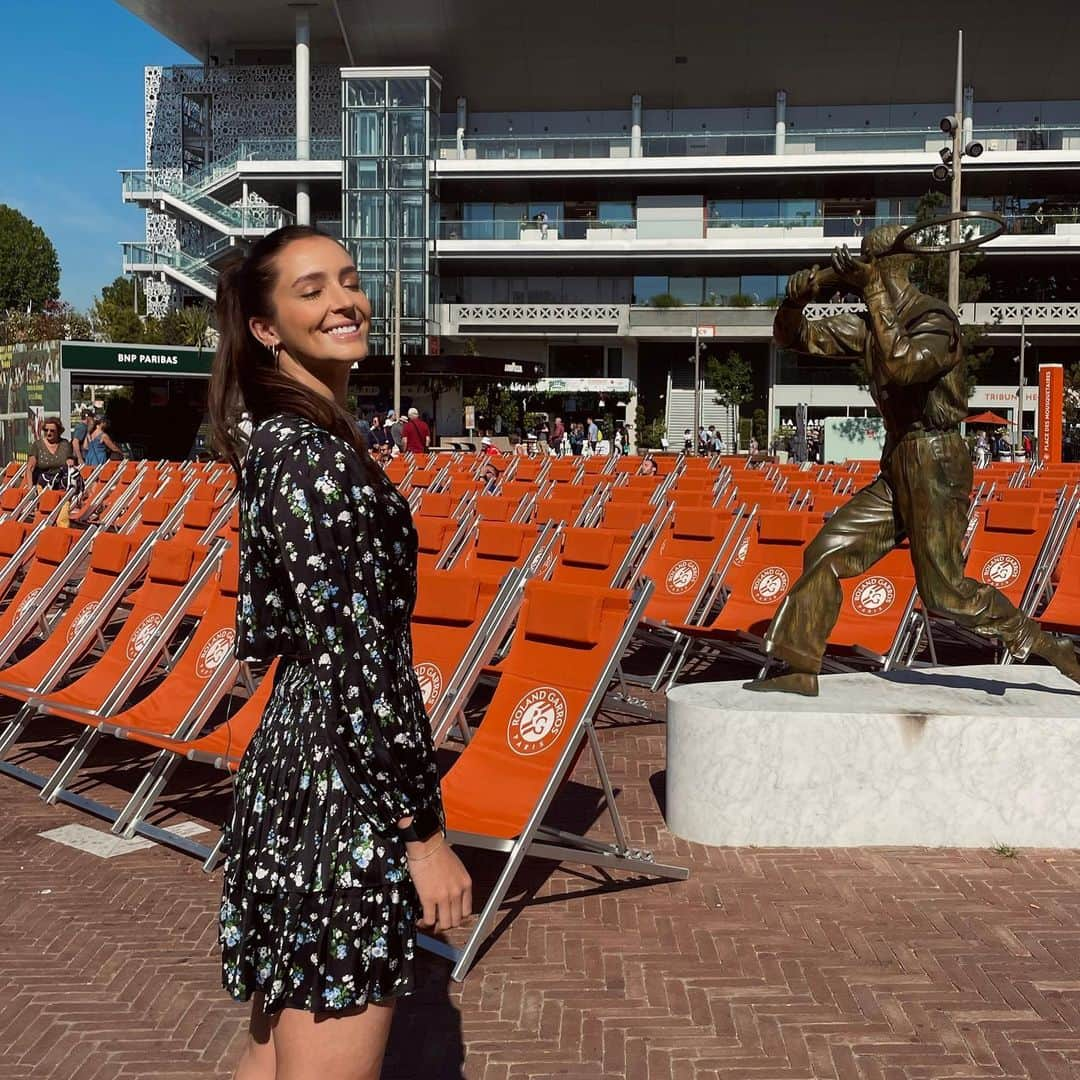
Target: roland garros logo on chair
{"type": "Point", "coordinates": [742, 551]}
{"type": "Point", "coordinates": [143, 633]}
{"type": "Point", "coordinates": [770, 584]}
{"type": "Point", "coordinates": [431, 682]}
{"type": "Point", "coordinates": [82, 620]}
{"type": "Point", "coordinates": [1000, 570]}
{"type": "Point", "coordinates": [536, 722]}
{"type": "Point", "coordinates": [873, 595]}
{"type": "Point", "coordinates": [681, 576]}
{"type": "Point", "coordinates": [214, 653]}
{"type": "Point", "coordinates": [27, 604]}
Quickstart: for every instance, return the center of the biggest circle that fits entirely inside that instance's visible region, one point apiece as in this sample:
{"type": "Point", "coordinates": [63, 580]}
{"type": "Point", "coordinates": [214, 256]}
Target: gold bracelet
{"type": "Point", "coordinates": [421, 858]}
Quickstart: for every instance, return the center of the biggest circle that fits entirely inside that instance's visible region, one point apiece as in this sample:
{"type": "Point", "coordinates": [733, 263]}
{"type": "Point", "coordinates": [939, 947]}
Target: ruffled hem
{"type": "Point", "coordinates": [320, 952]}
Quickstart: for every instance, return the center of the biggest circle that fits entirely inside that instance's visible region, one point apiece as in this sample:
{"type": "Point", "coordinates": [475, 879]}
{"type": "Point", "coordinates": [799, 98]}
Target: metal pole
{"type": "Point", "coordinates": [397, 326]}
{"type": "Point", "coordinates": [957, 151]}
{"type": "Point", "coordinates": [1020, 388]}
{"type": "Point", "coordinates": [694, 442]}
{"type": "Point", "coordinates": [303, 108]}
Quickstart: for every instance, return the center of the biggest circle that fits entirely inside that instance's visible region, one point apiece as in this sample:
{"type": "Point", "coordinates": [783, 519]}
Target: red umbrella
{"type": "Point", "coordinates": [988, 418]}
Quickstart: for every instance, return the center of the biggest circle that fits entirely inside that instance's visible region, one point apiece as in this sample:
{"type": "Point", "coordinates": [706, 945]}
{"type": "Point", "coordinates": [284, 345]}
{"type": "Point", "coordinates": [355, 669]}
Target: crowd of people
{"type": "Point", "coordinates": [52, 458]}
{"type": "Point", "coordinates": [388, 434]}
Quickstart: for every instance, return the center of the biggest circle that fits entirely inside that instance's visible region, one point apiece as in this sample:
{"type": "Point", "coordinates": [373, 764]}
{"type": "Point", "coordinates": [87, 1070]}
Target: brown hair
{"type": "Point", "coordinates": [245, 375]}
{"type": "Point", "coordinates": [53, 420]}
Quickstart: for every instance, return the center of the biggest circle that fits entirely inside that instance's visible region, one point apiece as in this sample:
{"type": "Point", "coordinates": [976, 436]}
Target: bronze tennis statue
{"type": "Point", "coordinates": [912, 348]}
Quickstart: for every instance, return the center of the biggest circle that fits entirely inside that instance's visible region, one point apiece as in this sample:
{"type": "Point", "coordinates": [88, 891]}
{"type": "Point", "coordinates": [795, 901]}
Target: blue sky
{"type": "Point", "coordinates": [71, 114]}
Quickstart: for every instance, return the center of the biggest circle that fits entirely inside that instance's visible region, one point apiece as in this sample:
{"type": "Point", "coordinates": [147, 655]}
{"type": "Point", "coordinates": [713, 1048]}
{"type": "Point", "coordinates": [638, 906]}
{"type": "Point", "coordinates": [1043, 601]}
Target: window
{"type": "Point", "coordinates": [761, 288]}
{"type": "Point", "coordinates": [407, 93]}
{"type": "Point", "coordinates": [508, 218]}
{"type": "Point", "coordinates": [195, 138]}
{"type": "Point", "coordinates": [686, 289]}
{"type": "Point", "coordinates": [365, 134]}
{"type": "Point", "coordinates": [720, 290]}
{"type": "Point", "coordinates": [799, 213]}
{"type": "Point", "coordinates": [724, 211]}
{"type": "Point", "coordinates": [477, 221]}
{"type": "Point", "coordinates": [646, 287]}
{"type": "Point", "coordinates": [365, 92]}
{"type": "Point", "coordinates": [576, 361]}
{"type": "Point", "coordinates": [616, 213]}
{"type": "Point", "coordinates": [365, 173]}
{"type": "Point", "coordinates": [408, 133]}
{"type": "Point", "coordinates": [761, 213]}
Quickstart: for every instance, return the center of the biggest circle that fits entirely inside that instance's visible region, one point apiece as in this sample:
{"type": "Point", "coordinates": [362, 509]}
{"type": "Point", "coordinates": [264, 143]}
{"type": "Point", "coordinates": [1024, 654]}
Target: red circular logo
{"type": "Point", "coordinates": [27, 603]}
{"type": "Point", "coordinates": [873, 595]}
{"type": "Point", "coordinates": [431, 682]}
{"type": "Point", "coordinates": [770, 584]}
{"type": "Point", "coordinates": [681, 577]}
{"type": "Point", "coordinates": [1000, 570]}
{"type": "Point", "coordinates": [214, 653]}
{"type": "Point", "coordinates": [82, 620]}
{"type": "Point", "coordinates": [537, 721]}
{"type": "Point", "coordinates": [143, 633]}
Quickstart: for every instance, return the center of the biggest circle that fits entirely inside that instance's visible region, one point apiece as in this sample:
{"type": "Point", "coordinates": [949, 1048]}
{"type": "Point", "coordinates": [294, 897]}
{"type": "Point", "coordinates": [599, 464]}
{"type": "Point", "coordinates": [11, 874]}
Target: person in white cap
{"type": "Point", "coordinates": [488, 447]}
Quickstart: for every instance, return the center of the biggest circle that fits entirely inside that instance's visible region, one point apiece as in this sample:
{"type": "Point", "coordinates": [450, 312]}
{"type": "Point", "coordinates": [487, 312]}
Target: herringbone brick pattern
{"type": "Point", "coordinates": [766, 965]}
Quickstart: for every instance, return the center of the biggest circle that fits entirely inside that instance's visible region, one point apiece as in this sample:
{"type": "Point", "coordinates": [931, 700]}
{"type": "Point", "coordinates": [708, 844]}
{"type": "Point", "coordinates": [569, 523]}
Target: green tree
{"type": "Point", "coordinates": [114, 317]}
{"type": "Point", "coordinates": [181, 326]}
{"type": "Point", "coordinates": [1072, 395]}
{"type": "Point", "coordinates": [57, 321]}
{"type": "Point", "coordinates": [29, 268]}
{"type": "Point", "coordinates": [732, 384]}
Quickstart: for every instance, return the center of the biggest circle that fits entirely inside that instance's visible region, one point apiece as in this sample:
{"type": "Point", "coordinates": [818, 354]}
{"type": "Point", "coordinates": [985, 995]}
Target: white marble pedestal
{"type": "Point", "coordinates": [967, 757]}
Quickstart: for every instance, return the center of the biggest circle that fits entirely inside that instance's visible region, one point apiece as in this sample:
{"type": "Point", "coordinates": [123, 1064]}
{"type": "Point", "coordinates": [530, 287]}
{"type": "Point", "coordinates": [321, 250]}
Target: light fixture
{"type": "Point", "coordinates": [948, 125]}
{"type": "Point", "coordinates": [974, 149]}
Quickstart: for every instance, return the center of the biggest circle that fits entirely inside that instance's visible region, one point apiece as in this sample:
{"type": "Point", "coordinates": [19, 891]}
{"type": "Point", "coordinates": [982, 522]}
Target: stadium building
{"type": "Point", "coordinates": [572, 192]}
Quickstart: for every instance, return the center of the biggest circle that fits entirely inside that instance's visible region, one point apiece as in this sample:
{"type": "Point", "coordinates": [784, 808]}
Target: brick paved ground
{"type": "Point", "coordinates": [900, 964]}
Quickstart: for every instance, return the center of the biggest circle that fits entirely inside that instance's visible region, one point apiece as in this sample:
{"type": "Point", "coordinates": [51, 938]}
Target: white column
{"type": "Point", "coordinates": [462, 125]}
{"type": "Point", "coordinates": [969, 114]}
{"type": "Point", "coordinates": [781, 120]}
{"type": "Point", "coordinates": [303, 109]}
{"type": "Point", "coordinates": [635, 126]}
{"type": "Point", "coordinates": [630, 371]}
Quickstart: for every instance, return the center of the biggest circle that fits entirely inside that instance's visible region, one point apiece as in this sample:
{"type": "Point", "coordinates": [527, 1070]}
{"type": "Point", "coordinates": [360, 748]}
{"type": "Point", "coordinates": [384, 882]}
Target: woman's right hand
{"type": "Point", "coordinates": [442, 883]}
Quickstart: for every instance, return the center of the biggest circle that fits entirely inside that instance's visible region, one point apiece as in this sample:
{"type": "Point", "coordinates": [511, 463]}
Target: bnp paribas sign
{"type": "Point", "coordinates": [135, 359]}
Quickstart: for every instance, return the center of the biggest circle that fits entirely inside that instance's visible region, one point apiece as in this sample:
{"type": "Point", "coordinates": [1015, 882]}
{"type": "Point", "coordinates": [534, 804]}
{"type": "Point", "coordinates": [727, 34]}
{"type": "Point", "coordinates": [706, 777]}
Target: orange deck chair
{"type": "Point", "coordinates": [222, 747]}
{"type": "Point", "coordinates": [459, 622]}
{"type": "Point", "coordinates": [766, 563]}
{"type": "Point", "coordinates": [179, 705]}
{"type": "Point", "coordinates": [687, 567]}
{"type": "Point", "coordinates": [176, 571]}
{"type": "Point", "coordinates": [498, 792]}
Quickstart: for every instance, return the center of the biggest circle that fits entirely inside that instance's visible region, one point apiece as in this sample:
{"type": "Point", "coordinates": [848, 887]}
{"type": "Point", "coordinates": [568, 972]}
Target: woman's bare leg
{"type": "Point", "coordinates": [337, 1046]}
{"type": "Point", "coordinates": [258, 1061]}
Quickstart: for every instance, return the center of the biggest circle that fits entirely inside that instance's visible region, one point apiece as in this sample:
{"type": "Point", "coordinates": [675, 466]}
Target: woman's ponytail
{"type": "Point", "coordinates": [224, 399]}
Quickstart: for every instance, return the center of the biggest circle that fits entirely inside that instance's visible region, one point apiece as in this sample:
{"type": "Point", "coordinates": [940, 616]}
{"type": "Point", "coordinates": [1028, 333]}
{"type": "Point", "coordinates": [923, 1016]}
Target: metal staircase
{"type": "Point", "coordinates": [195, 274]}
{"type": "Point", "coordinates": [151, 189]}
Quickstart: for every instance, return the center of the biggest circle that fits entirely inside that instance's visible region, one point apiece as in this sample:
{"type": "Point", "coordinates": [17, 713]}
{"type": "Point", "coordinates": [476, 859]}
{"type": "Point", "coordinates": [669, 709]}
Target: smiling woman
{"type": "Point", "coordinates": [335, 849]}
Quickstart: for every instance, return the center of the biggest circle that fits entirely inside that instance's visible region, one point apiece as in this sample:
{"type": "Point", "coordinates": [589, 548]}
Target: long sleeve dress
{"type": "Point", "coordinates": [318, 910]}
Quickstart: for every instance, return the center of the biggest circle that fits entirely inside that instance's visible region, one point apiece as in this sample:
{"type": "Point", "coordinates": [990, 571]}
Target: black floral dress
{"type": "Point", "coordinates": [318, 910]}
